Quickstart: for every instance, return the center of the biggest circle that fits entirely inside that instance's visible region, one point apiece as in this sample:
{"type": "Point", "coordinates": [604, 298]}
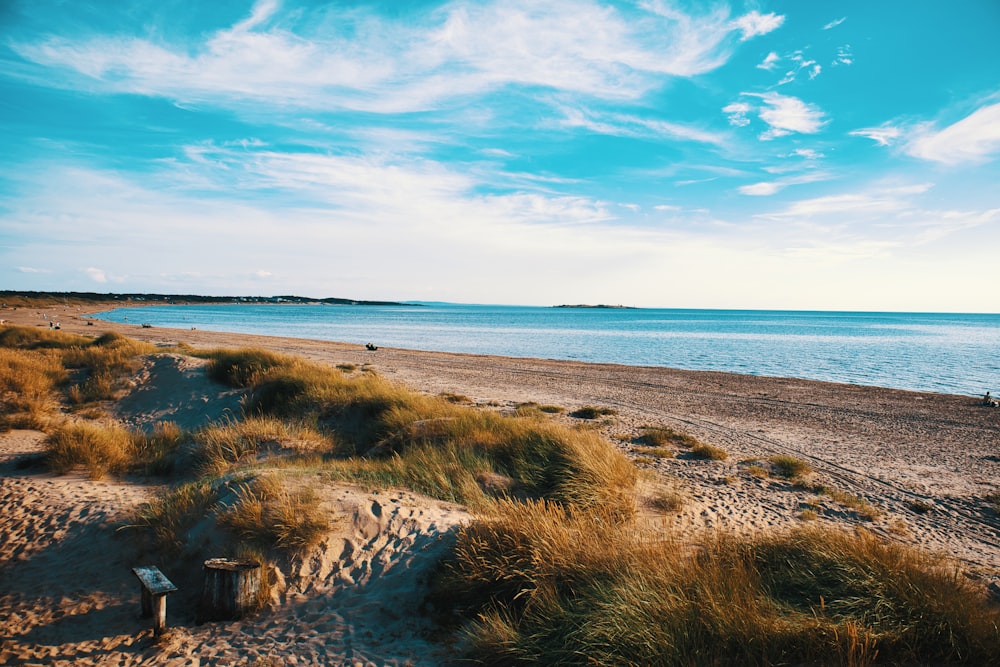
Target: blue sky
{"type": "Point", "coordinates": [805, 155]}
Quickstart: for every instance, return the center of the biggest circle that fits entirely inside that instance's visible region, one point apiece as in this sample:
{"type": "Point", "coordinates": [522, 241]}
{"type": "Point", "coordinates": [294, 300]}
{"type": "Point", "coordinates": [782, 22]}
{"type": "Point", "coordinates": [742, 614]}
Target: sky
{"type": "Point", "coordinates": [788, 155]}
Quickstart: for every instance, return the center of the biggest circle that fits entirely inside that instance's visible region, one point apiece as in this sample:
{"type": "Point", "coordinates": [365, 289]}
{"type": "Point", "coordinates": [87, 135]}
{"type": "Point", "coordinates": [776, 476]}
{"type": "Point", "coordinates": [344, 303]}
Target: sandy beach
{"type": "Point", "coordinates": [919, 466]}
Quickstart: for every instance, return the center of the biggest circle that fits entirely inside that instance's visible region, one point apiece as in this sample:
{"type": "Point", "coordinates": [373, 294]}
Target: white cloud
{"type": "Point", "coordinates": [878, 200]}
{"type": "Point", "coordinates": [808, 153]}
{"type": "Point", "coordinates": [974, 139]}
{"type": "Point", "coordinates": [31, 269]}
{"type": "Point", "coordinates": [737, 112]}
{"type": "Point", "coordinates": [353, 60]}
{"type": "Point", "coordinates": [770, 61]}
{"type": "Point", "coordinates": [626, 125]}
{"type": "Point", "coordinates": [844, 56]}
{"type": "Point", "coordinates": [767, 188]}
{"type": "Point", "coordinates": [882, 135]}
{"type": "Point", "coordinates": [755, 24]}
{"type": "Point", "coordinates": [786, 114]}
{"type": "Point", "coordinates": [834, 23]}
{"type": "Point", "coordinates": [97, 275]}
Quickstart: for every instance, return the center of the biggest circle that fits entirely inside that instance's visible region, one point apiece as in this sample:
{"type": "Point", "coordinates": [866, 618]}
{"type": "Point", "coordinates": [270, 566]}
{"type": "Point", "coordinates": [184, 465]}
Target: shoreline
{"type": "Point", "coordinates": [953, 387]}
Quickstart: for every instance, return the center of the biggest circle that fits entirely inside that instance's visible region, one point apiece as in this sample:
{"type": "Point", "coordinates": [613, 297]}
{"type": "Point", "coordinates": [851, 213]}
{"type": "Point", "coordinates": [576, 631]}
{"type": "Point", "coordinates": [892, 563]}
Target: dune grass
{"type": "Point", "coordinates": [28, 381]}
{"type": "Point", "coordinates": [267, 513]}
{"type": "Point", "coordinates": [541, 584]}
{"type": "Point", "coordinates": [390, 435]}
{"type": "Point", "coordinates": [789, 467]}
{"type": "Point", "coordinates": [663, 436]}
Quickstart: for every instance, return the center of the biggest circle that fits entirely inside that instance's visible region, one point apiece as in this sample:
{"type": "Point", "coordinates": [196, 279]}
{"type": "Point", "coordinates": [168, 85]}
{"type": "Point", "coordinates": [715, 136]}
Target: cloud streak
{"type": "Point", "coordinates": [375, 64]}
{"type": "Point", "coordinates": [972, 140]}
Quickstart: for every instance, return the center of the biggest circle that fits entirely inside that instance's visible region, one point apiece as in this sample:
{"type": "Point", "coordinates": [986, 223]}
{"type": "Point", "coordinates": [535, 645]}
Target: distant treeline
{"type": "Point", "coordinates": [85, 297]}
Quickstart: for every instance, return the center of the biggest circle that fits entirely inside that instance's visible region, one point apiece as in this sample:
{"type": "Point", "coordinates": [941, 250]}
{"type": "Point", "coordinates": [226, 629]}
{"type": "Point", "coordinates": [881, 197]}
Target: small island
{"type": "Point", "coordinates": [599, 305]}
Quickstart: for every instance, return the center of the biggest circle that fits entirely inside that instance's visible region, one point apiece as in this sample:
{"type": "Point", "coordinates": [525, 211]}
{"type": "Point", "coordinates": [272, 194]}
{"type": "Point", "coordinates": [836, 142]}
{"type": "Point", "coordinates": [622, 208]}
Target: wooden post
{"type": "Point", "coordinates": [230, 590]}
{"type": "Point", "coordinates": [155, 587]}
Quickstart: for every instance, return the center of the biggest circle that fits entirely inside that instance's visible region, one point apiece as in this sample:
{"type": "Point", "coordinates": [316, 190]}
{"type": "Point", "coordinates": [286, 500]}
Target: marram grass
{"type": "Point", "coordinates": [541, 584]}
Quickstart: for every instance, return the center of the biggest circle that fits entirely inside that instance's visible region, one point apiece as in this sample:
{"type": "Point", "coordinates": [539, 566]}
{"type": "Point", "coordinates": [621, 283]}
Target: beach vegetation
{"type": "Point", "coordinates": [101, 449]}
{"type": "Point", "coordinates": [920, 506]}
{"type": "Point", "coordinates": [789, 467]}
{"type": "Point", "coordinates": [592, 412]}
{"type": "Point", "coordinates": [663, 436]}
{"type": "Point", "coordinates": [654, 452]}
{"type": "Point", "coordinates": [859, 505]}
{"type": "Point", "coordinates": [540, 583]}
{"type": "Point", "coordinates": [28, 381]}
{"type": "Point", "coordinates": [266, 513]}
{"type": "Point", "coordinates": [709, 452]}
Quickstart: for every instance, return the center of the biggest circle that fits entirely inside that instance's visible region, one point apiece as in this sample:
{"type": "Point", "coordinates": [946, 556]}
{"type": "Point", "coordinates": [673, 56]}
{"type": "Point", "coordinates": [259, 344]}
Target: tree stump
{"type": "Point", "coordinates": [230, 590]}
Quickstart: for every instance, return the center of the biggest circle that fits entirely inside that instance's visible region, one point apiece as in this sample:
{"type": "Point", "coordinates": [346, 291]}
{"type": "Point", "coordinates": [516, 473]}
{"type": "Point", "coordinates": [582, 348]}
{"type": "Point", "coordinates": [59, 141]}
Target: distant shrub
{"type": "Point", "coordinates": [662, 436]}
{"type": "Point", "coordinates": [789, 467]}
{"type": "Point", "coordinates": [591, 412]}
{"type": "Point", "coordinates": [709, 452]}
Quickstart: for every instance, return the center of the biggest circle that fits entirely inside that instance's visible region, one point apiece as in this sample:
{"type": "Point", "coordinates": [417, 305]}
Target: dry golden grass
{"type": "Point", "coordinates": [709, 452]}
{"type": "Point", "coordinates": [540, 584]}
{"type": "Point", "coordinates": [662, 436]}
{"type": "Point", "coordinates": [268, 513]}
{"type": "Point", "coordinates": [100, 449]}
{"type": "Point", "coordinates": [28, 381]}
{"type": "Point", "coordinates": [789, 467]}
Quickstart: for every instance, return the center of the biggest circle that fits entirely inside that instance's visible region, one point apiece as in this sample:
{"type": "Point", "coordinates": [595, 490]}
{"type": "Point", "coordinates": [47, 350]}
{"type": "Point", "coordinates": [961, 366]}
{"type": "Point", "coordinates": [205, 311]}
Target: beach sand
{"type": "Point", "coordinates": [912, 467]}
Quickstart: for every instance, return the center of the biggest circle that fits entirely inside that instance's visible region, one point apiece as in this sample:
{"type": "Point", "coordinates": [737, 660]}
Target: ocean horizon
{"type": "Point", "coordinates": [953, 353]}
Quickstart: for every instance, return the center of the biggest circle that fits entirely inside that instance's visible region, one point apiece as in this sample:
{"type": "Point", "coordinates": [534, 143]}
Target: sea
{"type": "Point", "coordinates": [931, 352]}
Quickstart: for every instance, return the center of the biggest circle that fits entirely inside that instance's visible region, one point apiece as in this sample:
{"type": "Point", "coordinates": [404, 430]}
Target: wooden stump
{"type": "Point", "coordinates": [230, 590]}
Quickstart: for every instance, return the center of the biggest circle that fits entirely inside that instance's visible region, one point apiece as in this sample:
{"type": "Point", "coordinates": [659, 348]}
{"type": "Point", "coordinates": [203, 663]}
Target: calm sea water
{"type": "Point", "coordinates": [948, 353]}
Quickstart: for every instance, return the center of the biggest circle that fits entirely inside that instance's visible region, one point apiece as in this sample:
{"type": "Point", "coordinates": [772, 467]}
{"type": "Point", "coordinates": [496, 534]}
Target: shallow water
{"type": "Point", "coordinates": [947, 353]}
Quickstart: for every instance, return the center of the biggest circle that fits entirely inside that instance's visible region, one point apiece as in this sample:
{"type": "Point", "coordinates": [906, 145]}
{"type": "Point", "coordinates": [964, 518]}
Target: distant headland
{"type": "Point", "coordinates": [598, 305]}
{"type": "Point", "coordinates": [189, 298]}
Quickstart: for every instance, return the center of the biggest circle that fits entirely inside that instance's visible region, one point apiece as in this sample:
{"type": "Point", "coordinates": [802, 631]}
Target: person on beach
{"type": "Point", "coordinates": [988, 400]}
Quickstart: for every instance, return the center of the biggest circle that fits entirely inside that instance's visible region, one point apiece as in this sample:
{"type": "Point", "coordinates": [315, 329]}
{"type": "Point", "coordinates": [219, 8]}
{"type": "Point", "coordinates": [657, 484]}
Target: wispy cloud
{"type": "Point", "coordinates": [770, 62]}
{"type": "Point", "coordinates": [618, 124]}
{"type": "Point", "coordinates": [755, 24]}
{"type": "Point", "coordinates": [767, 188]}
{"type": "Point", "coordinates": [377, 64]}
{"type": "Point", "coordinates": [973, 139]}
{"type": "Point", "coordinates": [883, 135]}
{"type": "Point", "coordinates": [879, 200]}
{"type": "Point", "coordinates": [737, 112]}
{"type": "Point", "coordinates": [785, 114]}
{"type": "Point", "coordinates": [834, 23]}
{"type": "Point", "coordinates": [844, 56]}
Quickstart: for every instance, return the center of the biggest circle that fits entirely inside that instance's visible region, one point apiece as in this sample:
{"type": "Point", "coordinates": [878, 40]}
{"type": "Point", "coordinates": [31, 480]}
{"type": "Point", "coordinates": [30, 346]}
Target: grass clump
{"type": "Point", "coordinates": [662, 436]}
{"type": "Point", "coordinates": [28, 380]}
{"type": "Point", "coordinates": [856, 503]}
{"type": "Point", "coordinates": [920, 506]}
{"type": "Point", "coordinates": [789, 467]}
{"type": "Point", "coordinates": [100, 449]}
{"type": "Point", "coordinates": [591, 412]}
{"type": "Point", "coordinates": [539, 584]}
{"type": "Point", "coordinates": [266, 513]}
{"type": "Point", "coordinates": [709, 452]}
{"type": "Point", "coordinates": [169, 520]}
{"type": "Point", "coordinates": [106, 363]}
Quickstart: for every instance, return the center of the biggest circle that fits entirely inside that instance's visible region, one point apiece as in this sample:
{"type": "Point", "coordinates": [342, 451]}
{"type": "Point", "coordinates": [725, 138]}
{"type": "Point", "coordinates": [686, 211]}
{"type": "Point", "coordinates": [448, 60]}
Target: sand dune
{"type": "Point", "coordinates": [921, 463]}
